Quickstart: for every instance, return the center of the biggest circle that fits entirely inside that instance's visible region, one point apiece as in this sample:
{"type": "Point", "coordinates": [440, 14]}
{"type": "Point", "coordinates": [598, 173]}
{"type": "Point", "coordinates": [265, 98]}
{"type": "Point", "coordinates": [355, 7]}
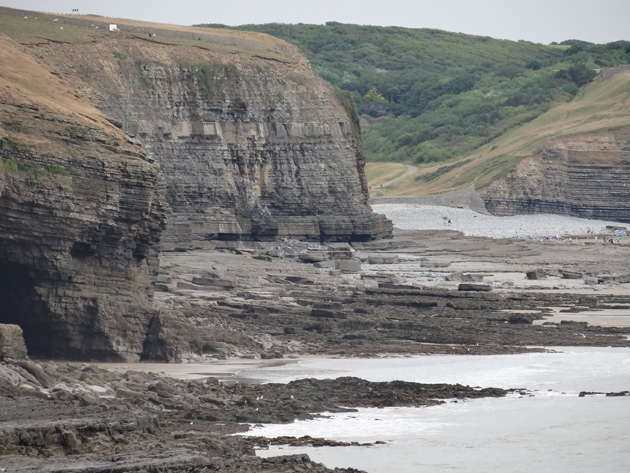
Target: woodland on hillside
{"type": "Point", "coordinates": [450, 93]}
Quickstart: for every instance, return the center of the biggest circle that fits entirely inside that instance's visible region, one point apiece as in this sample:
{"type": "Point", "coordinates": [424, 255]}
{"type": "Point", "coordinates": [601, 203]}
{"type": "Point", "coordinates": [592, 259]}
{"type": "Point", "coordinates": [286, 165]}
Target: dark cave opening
{"type": "Point", "coordinates": [21, 305]}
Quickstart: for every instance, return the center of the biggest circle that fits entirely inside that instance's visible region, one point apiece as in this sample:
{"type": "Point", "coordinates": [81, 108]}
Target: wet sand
{"type": "Point", "coordinates": [223, 370]}
{"type": "Point", "coordinates": [603, 318]}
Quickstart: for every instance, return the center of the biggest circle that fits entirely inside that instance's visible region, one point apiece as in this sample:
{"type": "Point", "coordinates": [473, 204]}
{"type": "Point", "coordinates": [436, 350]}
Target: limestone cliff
{"type": "Point", "coordinates": [585, 175]}
{"type": "Point", "coordinates": [80, 215]}
{"type": "Point", "coordinates": [252, 145]}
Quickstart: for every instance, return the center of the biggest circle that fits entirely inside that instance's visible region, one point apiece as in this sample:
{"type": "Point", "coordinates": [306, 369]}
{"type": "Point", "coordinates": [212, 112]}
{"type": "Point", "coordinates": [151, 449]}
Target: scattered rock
{"type": "Point", "coordinates": [349, 265]}
{"type": "Point", "coordinates": [536, 274]}
{"type": "Point", "coordinates": [521, 319]}
{"type": "Point", "coordinates": [12, 344]}
{"type": "Point", "coordinates": [472, 277]}
{"type": "Point", "coordinates": [475, 287]}
{"type": "Point", "coordinates": [382, 259]}
{"type": "Point", "coordinates": [313, 256]}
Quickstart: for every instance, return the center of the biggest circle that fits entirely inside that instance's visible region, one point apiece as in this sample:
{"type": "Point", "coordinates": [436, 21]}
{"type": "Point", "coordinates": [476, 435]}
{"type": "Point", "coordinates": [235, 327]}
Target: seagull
{"type": "Point", "coordinates": [583, 335]}
{"type": "Point", "coordinates": [292, 396]}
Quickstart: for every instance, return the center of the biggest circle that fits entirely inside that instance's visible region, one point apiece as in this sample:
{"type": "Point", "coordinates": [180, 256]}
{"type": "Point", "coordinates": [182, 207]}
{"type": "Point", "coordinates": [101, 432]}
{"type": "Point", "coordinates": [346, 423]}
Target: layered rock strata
{"type": "Point", "coordinates": [80, 215]}
{"type": "Point", "coordinates": [251, 146]}
{"type": "Point", "coordinates": [586, 175]}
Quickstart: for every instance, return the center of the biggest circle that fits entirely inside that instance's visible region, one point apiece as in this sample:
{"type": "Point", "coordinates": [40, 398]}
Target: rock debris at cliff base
{"type": "Point", "coordinates": [80, 417]}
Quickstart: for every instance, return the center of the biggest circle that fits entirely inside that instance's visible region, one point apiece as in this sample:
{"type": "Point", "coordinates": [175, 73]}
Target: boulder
{"type": "Point", "coordinates": [325, 264]}
{"type": "Point", "coordinates": [340, 251]}
{"type": "Point", "coordinates": [457, 276]}
{"type": "Point", "coordinates": [313, 256]}
{"type": "Point", "coordinates": [474, 287]}
{"type": "Point", "coordinates": [536, 274]}
{"type": "Point", "coordinates": [275, 253]}
{"type": "Point", "coordinates": [472, 277]}
{"type": "Point", "coordinates": [214, 283]}
{"type": "Point", "coordinates": [12, 344]}
{"type": "Point", "coordinates": [383, 259]}
{"type": "Point", "coordinates": [349, 265]}
{"type": "Point", "coordinates": [521, 319]}
{"type": "Point", "coordinates": [572, 275]}
{"type": "Point", "coordinates": [327, 314]}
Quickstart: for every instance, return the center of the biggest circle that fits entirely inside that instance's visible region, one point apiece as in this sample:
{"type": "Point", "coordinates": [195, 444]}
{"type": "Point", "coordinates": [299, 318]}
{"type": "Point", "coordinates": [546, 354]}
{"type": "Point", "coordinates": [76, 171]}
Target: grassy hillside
{"type": "Point", "coordinates": [599, 105]}
{"type": "Point", "coordinates": [450, 93]}
{"type": "Point", "coordinates": [380, 173]}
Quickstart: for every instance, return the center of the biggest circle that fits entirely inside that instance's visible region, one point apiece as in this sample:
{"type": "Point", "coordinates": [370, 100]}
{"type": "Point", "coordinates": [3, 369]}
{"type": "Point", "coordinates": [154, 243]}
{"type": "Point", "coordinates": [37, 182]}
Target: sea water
{"type": "Point", "coordinates": [549, 429]}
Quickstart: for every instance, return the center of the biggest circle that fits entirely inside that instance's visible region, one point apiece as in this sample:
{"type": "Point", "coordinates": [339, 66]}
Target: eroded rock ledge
{"type": "Point", "coordinates": [584, 175]}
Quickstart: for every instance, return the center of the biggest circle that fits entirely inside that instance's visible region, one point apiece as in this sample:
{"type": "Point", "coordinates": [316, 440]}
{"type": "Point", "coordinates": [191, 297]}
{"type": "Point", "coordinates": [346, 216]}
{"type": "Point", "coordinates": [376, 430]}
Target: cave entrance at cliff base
{"type": "Point", "coordinates": [21, 305]}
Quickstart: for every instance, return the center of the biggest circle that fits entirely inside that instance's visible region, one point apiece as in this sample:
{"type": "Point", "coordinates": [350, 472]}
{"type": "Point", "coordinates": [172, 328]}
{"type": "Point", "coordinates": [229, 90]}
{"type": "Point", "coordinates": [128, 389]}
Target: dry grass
{"type": "Point", "coordinates": [380, 173]}
{"type": "Point", "coordinates": [32, 31]}
{"type": "Point", "coordinates": [25, 78]}
{"type": "Point", "coordinates": [251, 36]}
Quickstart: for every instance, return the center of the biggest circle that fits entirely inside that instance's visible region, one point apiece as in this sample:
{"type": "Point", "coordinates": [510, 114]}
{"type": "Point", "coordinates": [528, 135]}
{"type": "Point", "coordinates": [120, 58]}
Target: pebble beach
{"type": "Point", "coordinates": [471, 223]}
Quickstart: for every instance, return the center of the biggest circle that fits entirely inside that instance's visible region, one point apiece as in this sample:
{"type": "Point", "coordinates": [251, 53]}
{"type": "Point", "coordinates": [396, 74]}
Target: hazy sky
{"type": "Point", "coordinates": [540, 21]}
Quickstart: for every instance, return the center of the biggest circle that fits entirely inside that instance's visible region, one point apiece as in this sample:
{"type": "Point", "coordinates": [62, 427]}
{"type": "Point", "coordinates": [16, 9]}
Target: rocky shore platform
{"type": "Point", "coordinates": [421, 292]}
{"type": "Point", "coordinates": [76, 418]}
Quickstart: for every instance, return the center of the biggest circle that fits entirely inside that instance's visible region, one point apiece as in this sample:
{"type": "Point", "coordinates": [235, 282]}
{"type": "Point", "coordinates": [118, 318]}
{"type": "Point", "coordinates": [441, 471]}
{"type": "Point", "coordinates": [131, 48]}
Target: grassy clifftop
{"type": "Point", "coordinates": [28, 27]}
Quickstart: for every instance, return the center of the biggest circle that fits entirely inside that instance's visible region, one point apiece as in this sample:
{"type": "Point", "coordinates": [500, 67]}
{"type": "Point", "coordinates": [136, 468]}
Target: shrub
{"type": "Point", "coordinates": [579, 75]}
{"type": "Point", "coordinates": [374, 94]}
{"type": "Point", "coordinates": [119, 55]}
{"type": "Point", "coordinates": [571, 89]}
{"type": "Point", "coordinates": [442, 170]}
{"type": "Point", "coordinates": [263, 258]}
{"type": "Point", "coordinates": [58, 170]}
{"type": "Point", "coordinates": [10, 165]}
{"type": "Point", "coordinates": [208, 117]}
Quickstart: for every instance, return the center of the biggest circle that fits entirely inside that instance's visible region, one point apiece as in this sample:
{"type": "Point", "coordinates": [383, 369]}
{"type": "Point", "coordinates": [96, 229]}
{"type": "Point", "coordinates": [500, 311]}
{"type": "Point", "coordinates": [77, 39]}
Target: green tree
{"type": "Point", "coordinates": [375, 95]}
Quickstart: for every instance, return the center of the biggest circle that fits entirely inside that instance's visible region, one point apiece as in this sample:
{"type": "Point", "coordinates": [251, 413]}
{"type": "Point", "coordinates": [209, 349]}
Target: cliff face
{"type": "Point", "coordinates": [251, 147]}
{"type": "Point", "coordinates": [585, 175]}
{"type": "Point", "coordinates": [80, 215]}
{"type": "Point", "coordinates": [245, 142]}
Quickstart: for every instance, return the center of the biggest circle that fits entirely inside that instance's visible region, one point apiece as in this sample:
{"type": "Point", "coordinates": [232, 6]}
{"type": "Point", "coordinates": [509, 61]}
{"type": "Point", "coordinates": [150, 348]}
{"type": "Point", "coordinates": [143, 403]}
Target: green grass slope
{"type": "Point", "coordinates": [600, 105]}
{"type": "Point", "coordinates": [450, 93]}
